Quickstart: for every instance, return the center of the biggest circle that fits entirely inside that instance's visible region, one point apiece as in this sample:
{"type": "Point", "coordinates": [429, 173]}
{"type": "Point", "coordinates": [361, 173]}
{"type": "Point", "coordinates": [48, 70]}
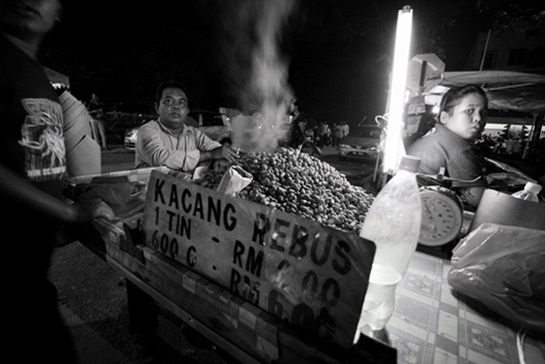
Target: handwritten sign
{"type": "Point", "coordinates": [302, 272]}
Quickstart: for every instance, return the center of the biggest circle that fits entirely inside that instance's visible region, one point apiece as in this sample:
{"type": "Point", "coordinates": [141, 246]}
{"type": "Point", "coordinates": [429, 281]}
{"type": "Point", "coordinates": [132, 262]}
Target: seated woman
{"type": "Point", "coordinates": [461, 120]}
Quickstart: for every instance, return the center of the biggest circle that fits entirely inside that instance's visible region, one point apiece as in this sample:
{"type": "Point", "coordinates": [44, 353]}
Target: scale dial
{"type": "Point", "coordinates": [442, 216]}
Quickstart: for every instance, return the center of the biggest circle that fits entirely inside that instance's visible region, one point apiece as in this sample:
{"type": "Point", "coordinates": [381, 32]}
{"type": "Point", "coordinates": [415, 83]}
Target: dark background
{"type": "Point", "coordinates": [337, 53]}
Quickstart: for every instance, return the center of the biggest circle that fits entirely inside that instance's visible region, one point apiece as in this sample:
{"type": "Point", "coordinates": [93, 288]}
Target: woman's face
{"type": "Point", "coordinates": [468, 117]}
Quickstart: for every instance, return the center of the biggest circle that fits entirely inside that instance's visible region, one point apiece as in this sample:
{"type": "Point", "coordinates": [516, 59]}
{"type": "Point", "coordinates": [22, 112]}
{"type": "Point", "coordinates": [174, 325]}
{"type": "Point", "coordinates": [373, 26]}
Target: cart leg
{"type": "Point", "coordinates": [142, 314]}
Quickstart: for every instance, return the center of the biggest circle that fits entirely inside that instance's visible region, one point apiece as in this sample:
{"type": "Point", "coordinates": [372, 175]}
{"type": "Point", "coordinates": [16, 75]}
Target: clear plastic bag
{"type": "Point", "coordinates": [234, 180]}
{"type": "Point", "coordinates": [503, 267]}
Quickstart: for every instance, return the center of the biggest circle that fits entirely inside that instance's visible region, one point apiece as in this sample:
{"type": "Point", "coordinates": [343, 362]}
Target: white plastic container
{"type": "Point", "coordinates": [380, 299]}
{"type": "Point", "coordinates": [393, 224]}
{"type": "Point", "coordinates": [529, 193]}
{"type": "Point", "coordinates": [393, 221]}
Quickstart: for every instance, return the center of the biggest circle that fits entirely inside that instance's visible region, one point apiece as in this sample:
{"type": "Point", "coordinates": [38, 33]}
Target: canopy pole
{"type": "Point", "coordinates": [485, 49]}
{"type": "Point", "coordinates": [533, 138]}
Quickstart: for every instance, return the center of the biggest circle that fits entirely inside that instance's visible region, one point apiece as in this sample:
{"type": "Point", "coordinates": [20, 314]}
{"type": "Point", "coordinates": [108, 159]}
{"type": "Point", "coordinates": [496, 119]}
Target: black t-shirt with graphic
{"type": "Point", "coordinates": [31, 145]}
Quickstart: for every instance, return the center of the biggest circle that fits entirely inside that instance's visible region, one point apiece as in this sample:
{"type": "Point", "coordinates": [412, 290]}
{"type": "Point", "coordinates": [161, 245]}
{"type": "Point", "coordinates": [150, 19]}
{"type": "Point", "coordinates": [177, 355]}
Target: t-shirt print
{"type": "Point", "coordinates": [43, 141]}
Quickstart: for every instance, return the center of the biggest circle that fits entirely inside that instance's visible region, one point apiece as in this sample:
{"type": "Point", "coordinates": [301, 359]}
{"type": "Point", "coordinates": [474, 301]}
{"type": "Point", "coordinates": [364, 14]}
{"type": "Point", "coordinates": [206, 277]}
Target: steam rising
{"type": "Point", "coordinates": [257, 71]}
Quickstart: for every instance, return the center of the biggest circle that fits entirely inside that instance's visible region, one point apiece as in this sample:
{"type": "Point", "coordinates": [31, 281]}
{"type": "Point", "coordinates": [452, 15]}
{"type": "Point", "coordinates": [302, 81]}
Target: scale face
{"type": "Point", "coordinates": [442, 216]}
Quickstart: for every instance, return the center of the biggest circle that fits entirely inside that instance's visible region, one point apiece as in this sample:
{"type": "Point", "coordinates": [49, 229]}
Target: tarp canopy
{"type": "Point", "coordinates": [506, 90]}
{"type": "Point", "coordinates": [57, 77]}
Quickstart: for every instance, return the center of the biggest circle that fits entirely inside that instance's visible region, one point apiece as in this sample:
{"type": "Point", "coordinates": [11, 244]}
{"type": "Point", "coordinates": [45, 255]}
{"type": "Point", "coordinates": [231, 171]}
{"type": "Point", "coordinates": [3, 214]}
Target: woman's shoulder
{"type": "Point", "coordinates": [451, 140]}
{"type": "Point", "coordinates": [425, 139]}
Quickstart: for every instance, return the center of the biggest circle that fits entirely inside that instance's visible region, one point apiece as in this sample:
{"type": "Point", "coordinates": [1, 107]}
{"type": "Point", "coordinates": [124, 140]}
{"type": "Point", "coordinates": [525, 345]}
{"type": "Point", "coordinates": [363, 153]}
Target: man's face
{"type": "Point", "coordinates": [28, 19]}
{"type": "Point", "coordinates": [173, 108]}
{"type": "Point", "coordinates": [468, 117]}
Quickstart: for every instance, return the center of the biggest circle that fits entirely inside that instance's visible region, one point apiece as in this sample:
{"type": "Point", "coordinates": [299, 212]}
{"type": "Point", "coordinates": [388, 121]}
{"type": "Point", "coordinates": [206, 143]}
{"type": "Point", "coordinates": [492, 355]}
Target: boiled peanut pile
{"type": "Point", "coordinates": [302, 185]}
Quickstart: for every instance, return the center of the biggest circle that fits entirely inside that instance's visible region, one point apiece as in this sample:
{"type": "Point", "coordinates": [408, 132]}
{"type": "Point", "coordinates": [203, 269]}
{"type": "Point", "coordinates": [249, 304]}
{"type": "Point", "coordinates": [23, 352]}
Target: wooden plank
{"type": "Point", "coordinates": [198, 299]}
{"type": "Point", "coordinates": [248, 333]}
{"type": "Point", "coordinates": [294, 268]}
{"type": "Point", "coordinates": [185, 315]}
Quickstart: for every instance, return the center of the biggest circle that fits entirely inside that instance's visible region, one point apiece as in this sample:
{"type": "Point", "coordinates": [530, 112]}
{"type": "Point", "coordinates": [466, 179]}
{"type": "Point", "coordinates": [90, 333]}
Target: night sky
{"type": "Point", "coordinates": [337, 55]}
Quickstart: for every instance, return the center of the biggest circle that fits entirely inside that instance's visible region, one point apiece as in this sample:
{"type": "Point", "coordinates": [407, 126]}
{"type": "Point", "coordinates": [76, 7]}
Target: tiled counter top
{"type": "Point", "coordinates": [432, 324]}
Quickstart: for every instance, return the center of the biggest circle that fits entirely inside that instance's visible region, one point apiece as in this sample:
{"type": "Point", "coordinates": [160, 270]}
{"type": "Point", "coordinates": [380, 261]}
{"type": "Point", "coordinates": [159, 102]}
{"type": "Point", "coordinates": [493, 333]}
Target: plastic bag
{"type": "Point", "coordinates": [234, 180]}
{"type": "Point", "coordinates": [503, 267]}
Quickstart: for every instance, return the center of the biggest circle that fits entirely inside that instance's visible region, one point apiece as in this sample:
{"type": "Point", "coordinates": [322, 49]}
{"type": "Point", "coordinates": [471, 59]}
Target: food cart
{"type": "Point", "coordinates": [263, 284]}
{"type": "Point", "coordinates": [270, 279]}
{"type": "Point", "coordinates": [271, 285]}
{"type": "Point", "coordinates": [431, 323]}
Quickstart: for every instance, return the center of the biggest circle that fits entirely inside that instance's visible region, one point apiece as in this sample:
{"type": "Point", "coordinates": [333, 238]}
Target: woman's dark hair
{"type": "Point", "coordinates": [453, 96]}
{"type": "Point", "coordinates": [172, 84]}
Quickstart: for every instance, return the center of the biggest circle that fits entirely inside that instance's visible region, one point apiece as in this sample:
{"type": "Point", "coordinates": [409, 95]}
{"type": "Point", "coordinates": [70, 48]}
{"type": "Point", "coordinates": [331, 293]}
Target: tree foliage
{"type": "Point", "coordinates": [516, 15]}
{"type": "Point", "coordinates": [374, 21]}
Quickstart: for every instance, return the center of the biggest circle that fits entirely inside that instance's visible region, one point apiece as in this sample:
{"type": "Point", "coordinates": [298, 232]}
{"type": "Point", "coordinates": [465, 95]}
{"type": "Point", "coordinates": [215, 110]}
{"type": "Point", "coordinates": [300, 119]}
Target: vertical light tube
{"type": "Point", "coordinates": [393, 148]}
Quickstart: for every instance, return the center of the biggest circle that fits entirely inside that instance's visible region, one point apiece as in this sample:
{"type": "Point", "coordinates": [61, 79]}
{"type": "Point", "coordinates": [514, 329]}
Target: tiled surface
{"type": "Point", "coordinates": [431, 325]}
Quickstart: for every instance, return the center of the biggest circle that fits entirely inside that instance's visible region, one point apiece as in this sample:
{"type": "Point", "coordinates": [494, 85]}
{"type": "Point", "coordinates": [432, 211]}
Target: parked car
{"type": "Point", "coordinates": [130, 138]}
{"type": "Point", "coordinates": [215, 124]}
{"type": "Point", "coordinates": [363, 143]}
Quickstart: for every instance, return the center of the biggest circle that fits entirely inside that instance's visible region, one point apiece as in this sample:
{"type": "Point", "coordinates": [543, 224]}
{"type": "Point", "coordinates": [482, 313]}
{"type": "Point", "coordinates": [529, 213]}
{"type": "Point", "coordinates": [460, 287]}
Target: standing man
{"type": "Point", "coordinates": [297, 128]}
{"type": "Point", "coordinates": [99, 130]}
{"type": "Point", "coordinates": [322, 132]}
{"type": "Point", "coordinates": [169, 142]}
{"type": "Point", "coordinates": [95, 103]}
{"type": "Point", "coordinates": [346, 129]}
{"type": "Point", "coordinates": [32, 165]}
{"type": "Point", "coordinates": [338, 133]}
{"type": "Point", "coordinates": [97, 112]}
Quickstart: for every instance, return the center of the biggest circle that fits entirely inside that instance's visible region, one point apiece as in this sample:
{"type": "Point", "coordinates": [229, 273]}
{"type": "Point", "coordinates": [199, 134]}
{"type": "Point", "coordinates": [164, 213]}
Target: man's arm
{"type": "Point", "coordinates": [223, 152]}
{"type": "Point", "coordinates": [151, 148]}
{"type": "Point", "coordinates": [211, 149]}
{"type": "Point", "coordinates": [15, 189]}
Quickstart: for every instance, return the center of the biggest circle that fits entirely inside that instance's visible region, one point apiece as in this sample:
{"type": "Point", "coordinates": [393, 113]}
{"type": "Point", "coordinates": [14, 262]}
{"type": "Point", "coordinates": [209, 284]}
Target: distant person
{"type": "Point", "coordinates": [462, 118]}
{"type": "Point", "coordinates": [329, 136]}
{"type": "Point", "coordinates": [296, 132]}
{"type": "Point", "coordinates": [300, 133]}
{"type": "Point", "coordinates": [95, 104]}
{"type": "Point", "coordinates": [345, 129]}
{"type": "Point", "coordinates": [99, 131]}
{"type": "Point", "coordinates": [169, 142]}
{"type": "Point", "coordinates": [338, 133]}
{"type": "Point", "coordinates": [97, 112]}
{"type": "Point", "coordinates": [310, 136]}
{"type": "Point", "coordinates": [333, 135]}
{"type": "Point", "coordinates": [32, 168]}
{"type": "Point", "coordinates": [322, 134]}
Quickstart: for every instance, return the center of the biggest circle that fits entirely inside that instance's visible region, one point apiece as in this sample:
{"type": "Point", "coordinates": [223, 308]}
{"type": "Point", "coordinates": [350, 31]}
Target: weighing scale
{"type": "Point", "coordinates": [442, 220]}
